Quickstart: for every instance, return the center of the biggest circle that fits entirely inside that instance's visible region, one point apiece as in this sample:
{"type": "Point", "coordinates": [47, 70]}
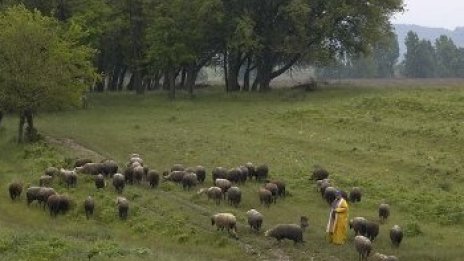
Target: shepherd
{"type": "Point", "coordinates": [337, 226]}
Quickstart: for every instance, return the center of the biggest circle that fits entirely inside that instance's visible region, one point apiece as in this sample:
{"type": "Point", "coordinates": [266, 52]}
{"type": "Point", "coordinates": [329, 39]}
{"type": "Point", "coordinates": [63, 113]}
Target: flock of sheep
{"type": "Point", "coordinates": [226, 182]}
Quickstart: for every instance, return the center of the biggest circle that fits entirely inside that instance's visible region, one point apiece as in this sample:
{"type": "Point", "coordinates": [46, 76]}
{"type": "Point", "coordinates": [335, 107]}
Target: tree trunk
{"type": "Point", "coordinates": [166, 80]}
{"type": "Point", "coordinates": [182, 77]}
{"type": "Point", "coordinates": [246, 76]}
{"type": "Point", "coordinates": [121, 76]}
{"type": "Point", "coordinates": [136, 31]}
{"type": "Point", "coordinates": [157, 79]}
{"type": "Point", "coordinates": [226, 76]}
{"type": "Point", "coordinates": [22, 120]}
{"type": "Point", "coordinates": [234, 64]}
{"type": "Point", "coordinates": [172, 83]}
{"type": "Point", "coordinates": [1, 118]}
{"type": "Point", "coordinates": [192, 73]}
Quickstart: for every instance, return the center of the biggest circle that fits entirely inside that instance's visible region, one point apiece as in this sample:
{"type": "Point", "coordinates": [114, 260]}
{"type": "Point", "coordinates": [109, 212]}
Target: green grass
{"type": "Point", "coordinates": [403, 145]}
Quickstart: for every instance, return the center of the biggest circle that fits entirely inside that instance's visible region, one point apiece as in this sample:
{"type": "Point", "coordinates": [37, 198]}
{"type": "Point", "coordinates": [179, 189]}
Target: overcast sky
{"type": "Point", "coordinates": [444, 13]}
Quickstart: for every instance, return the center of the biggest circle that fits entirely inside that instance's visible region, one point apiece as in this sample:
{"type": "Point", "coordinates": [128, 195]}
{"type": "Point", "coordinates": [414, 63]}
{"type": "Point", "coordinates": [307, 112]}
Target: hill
{"type": "Point", "coordinates": [401, 145]}
{"type": "Point", "coordinates": [427, 33]}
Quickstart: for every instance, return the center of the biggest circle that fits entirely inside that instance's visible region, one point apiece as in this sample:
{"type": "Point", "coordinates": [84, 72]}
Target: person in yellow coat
{"type": "Point", "coordinates": [337, 227]}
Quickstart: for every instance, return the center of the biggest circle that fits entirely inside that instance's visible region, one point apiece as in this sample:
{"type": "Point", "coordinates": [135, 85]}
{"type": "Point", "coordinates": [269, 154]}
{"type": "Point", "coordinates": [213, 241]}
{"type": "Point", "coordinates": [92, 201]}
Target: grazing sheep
{"type": "Point", "coordinates": [396, 235]}
{"type": "Point", "coordinates": [273, 189]}
{"type": "Point", "coordinates": [391, 258]}
{"type": "Point", "coordinates": [304, 223]}
{"type": "Point", "coordinates": [227, 221]}
{"type": "Point", "coordinates": [372, 230]}
{"type": "Point", "coordinates": [322, 182]}
{"type": "Point", "coordinates": [177, 167]}
{"type": "Point", "coordinates": [224, 184]}
{"type": "Point", "coordinates": [262, 172]}
{"type": "Point", "coordinates": [123, 207]}
{"type": "Point", "coordinates": [138, 173]}
{"type": "Point", "coordinates": [109, 167]}
{"type": "Point", "coordinates": [136, 159]}
{"type": "Point", "coordinates": [234, 196]}
{"type": "Point", "coordinates": [344, 195]}
{"type": "Point", "coordinates": [89, 206]}
{"type": "Point", "coordinates": [355, 195]}
{"type": "Point", "coordinates": [43, 195]}
{"type": "Point", "coordinates": [265, 196]}
{"type": "Point", "coordinates": [358, 224]}
{"type": "Point", "coordinates": [15, 189]}
{"type": "Point", "coordinates": [70, 179]}
{"type": "Point", "coordinates": [330, 194]}
{"type": "Point", "coordinates": [129, 175]}
{"type": "Point", "coordinates": [319, 174]}
{"type": "Point", "coordinates": [255, 219]}
{"type": "Point", "coordinates": [234, 175]}
{"type": "Point", "coordinates": [32, 194]}
{"type": "Point", "coordinates": [81, 162]}
{"type": "Point", "coordinates": [219, 173]}
{"type": "Point", "coordinates": [363, 246]}
{"type": "Point", "coordinates": [45, 181]}
{"type": "Point", "coordinates": [99, 181]}
{"type": "Point", "coordinates": [175, 176]}
{"type": "Point", "coordinates": [324, 186]}
{"type": "Point", "coordinates": [118, 182]}
{"type": "Point", "coordinates": [243, 174]}
{"type": "Point", "coordinates": [90, 168]}
{"type": "Point", "coordinates": [153, 178]}
{"type": "Point", "coordinates": [286, 231]}
{"type": "Point", "coordinates": [214, 193]}
{"type": "Point", "coordinates": [382, 257]}
{"type": "Point", "coordinates": [58, 203]}
{"type": "Point", "coordinates": [251, 170]}
{"type": "Point", "coordinates": [52, 171]}
{"type": "Point", "coordinates": [384, 212]}
{"type": "Point", "coordinates": [280, 187]}
{"type": "Point", "coordinates": [201, 173]}
{"type": "Point", "coordinates": [189, 180]}
{"type": "Point", "coordinates": [146, 169]}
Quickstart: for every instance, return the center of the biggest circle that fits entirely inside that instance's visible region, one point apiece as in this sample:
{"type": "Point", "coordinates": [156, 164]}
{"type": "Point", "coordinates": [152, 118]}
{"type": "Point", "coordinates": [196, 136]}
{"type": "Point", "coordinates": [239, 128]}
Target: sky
{"type": "Point", "coordinates": [431, 13]}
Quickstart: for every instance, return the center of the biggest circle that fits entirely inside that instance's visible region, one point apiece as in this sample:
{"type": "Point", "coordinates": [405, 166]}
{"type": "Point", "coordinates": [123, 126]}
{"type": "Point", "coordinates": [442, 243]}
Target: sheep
{"type": "Point", "coordinates": [137, 159]}
{"type": "Point", "coordinates": [153, 178]}
{"type": "Point", "coordinates": [324, 186]}
{"type": "Point", "coordinates": [123, 207]}
{"type": "Point", "coordinates": [319, 174]}
{"type": "Point", "coordinates": [90, 168]}
{"type": "Point", "coordinates": [175, 176]}
{"type": "Point", "coordinates": [330, 194]}
{"type": "Point", "coordinates": [280, 187]}
{"type": "Point", "coordinates": [177, 167]}
{"type": "Point", "coordinates": [391, 258]}
{"type": "Point", "coordinates": [138, 174]}
{"type": "Point", "coordinates": [363, 246]}
{"type": "Point", "coordinates": [109, 167]}
{"type": "Point", "coordinates": [286, 231]}
{"type": "Point", "coordinates": [99, 181]}
{"type": "Point", "coordinates": [234, 196]}
{"type": "Point", "coordinates": [262, 172]}
{"type": "Point", "coordinates": [234, 175]}
{"type": "Point", "coordinates": [355, 195]}
{"type": "Point", "coordinates": [304, 223]}
{"type": "Point", "coordinates": [273, 189]}
{"type": "Point", "coordinates": [70, 178]}
{"type": "Point", "coordinates": [251, 170]}
{"type": "Point", "coordinates": [227, 221]}
{"type": "Point", "coordinates": [52, 171]}
{"type": "Point", "coordinates": [372, 230]}
{"type": "Point", "coordinates": [81, 162]}
{"type": "Point", "coordinates": [265, 197]}
{"type": "Point", "coordinates": [214, 193]}
{"type": "Point", "coordinates": [358, 224]}
{"type": "Point", "coordinates": [344, 195]}
{"type": "Point", "coordinates": [396, 235]}
{"type": "Point", "coordinates": [382, 257]}
{"type": "Point", "coordinates": [384, 212]}
{"type": "Point", "coordinates": [146, 169]}
{"type": "Point", "coordinates": [255, 219]}
{"type": "Point", "coordinates": [224, 184]}
{"type": "Point", "coordinates": [45, 181]}
{"type": "Point", "coordinates": [129, 175]}
{"type": "Point", "coordinates": [89, 205]}
{"type": "Point", "coordinates": [43, 194]}
{"type": "Point", "coordinates": [243, 174]}
{"type": "Point", "coordinates": [118, 182]}
{"type": "Point", "coordinates": [219, 173]}
{"type": "Point", "coordinates": [201, 173]}
{"type": "Point", "coordinates": [58, 203]}
{"type": "Point", "coordinates": [15, 189]}
{"type": "Point", "coordinates": [189, 180]}
{"type": "Point", "coordinates": [322, 182]}
{"type": "Point", "coordinates": [32, 194]}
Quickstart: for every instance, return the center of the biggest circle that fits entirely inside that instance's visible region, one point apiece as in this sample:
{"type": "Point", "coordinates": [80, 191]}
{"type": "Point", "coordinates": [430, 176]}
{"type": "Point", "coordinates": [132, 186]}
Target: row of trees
{"type": "Point", "coordinates": [161, 40]}
{"type": "Point", "coordinates": [424, 59]}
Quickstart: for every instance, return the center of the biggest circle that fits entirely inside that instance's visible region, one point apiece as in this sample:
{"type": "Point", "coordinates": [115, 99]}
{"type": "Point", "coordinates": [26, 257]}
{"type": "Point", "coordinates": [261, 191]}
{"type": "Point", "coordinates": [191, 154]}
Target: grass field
{"type": "Point", "coordinates": [402, 145]}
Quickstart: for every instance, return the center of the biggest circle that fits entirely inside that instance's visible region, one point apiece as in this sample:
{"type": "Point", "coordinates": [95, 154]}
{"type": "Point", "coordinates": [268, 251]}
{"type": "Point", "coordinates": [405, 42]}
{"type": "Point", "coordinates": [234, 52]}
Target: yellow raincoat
{"type": "Point", "coordinates": [337, 227]}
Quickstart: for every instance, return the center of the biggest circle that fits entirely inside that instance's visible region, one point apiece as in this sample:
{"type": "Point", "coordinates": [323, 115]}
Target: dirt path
{"type": "Point", "coordinates": [81, 151]}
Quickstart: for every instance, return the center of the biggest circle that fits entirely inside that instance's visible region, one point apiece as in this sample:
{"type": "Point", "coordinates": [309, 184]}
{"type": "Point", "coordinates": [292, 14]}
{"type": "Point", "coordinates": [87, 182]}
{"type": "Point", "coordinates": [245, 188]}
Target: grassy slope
{"type": "Point", "coordinates": [401, 145]}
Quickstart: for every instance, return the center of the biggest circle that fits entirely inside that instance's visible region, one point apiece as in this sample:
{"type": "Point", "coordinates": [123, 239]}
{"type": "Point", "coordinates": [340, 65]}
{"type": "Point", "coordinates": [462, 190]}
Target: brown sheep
{"type": "Point", "coordinates": [372, 230]}
{"type": "Point", "coordinates": [189, 180]}
{"type": "Point", "coordinates": [108, 167]}
{"type": "Point", "coordinates": [201, 173]}
{"type": "Point", "coordinates": [251, 170]}
{"type": "Point", "coordinates": [234, 196]}
{"type": "Point", "coordinates": [286, 231]}
{"type": "Point", "coordinates": [153, 178]}
{"type": "Point", "coordinates": [81, 162]}
{"type": "Point", "coordinates": [90, 168]}
{"type": "Point", "coordinates": [43, 195]}
{"type": "Point", "coordinates": [255, 219]}
{"type": "Point", "coordinates": [363, 246]}
{"type": "Point", "coordinates": [89, 205]}
{"type": "Point", "coordinates": [384, 212]}
{"type": "Point", "coordinates": [123, 207]}
{"type": "Point", "coordinates": [129, 175]}
{"type": "Point", "coordinates": [396, 235]}
{"type": "Point", "coordinates": [177, 167]}
{"type": "Point", "coordinates": [273, 189]}
{"type": "Point", "coordinates": [262, 172]}
{"type": "Point", "coordinates": [319, 174]}
{"type": "Point", "coordinates": [234, 175]}
{"type": "Point", "coordinates": [355, 195]}
{"type": "Point", "coordinates": [175, 176]}
{"type": "Point", "coordinates": [99, 181]}
{"type": "Point", "coordinates": [243, 174]}
{"type": "Point", "coordinates": [219, 173]}
{"type": "Point", "coordinates": [15, 189]}
{"type": "Point", "coordinates": [58, 203]}
{"type": "Point", "coordinates": [280, 187]}
{"type": "Point", "coordinates": [224, 184]}
{"type": "Point", "coordinates": [358, 224]}
{"type": "Point", "coordinates": [45, 181]}
{"type": "Point", "coordinates": [265, 197]}
{"type": "Point", "coordinates": [52, 171]}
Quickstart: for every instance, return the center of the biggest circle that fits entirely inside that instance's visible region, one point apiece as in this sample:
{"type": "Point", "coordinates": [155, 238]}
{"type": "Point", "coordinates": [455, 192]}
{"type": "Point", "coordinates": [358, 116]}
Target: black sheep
{"type": "Point", "coordinates": [262, 172]}
{"type": "Point", "coordinates": [58, 203]}
{"type": "Point", "coordinates": [355, 195]}
{"type": "Point", "coordinates": [201, 173]}
{"type": "Point", "coordinates": [372, 230]}
{"type": "Point", "coordinates": [319, 174]}
{"type": "Point", "coordinates": [15, 190]}
{"type": "Point", "coordinates": [286, 231]}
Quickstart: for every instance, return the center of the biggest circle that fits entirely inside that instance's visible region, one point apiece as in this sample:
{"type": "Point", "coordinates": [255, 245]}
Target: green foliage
{"type": "Point", "coordinates": [44, 65]}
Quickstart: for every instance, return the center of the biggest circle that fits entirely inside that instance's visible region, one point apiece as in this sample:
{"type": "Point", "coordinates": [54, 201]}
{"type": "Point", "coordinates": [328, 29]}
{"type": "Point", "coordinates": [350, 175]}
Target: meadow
{"type": "Point", "coordinates": [401, 145]}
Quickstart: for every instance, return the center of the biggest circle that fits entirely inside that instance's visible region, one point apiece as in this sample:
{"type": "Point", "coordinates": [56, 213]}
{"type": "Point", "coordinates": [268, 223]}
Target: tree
{"type": "Point", "coordinates": [447, 57]}
{"type": "Point", "coordinates": [43, 65]}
